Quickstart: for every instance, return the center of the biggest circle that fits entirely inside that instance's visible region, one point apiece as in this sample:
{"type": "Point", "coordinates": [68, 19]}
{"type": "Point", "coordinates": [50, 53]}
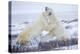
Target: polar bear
{"type": "Point", "coordinates": [45, 22]}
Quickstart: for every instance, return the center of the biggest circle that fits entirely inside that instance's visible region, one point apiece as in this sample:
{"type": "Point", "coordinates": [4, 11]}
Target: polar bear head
{"type": "Point", "coordinates": [48, 11]}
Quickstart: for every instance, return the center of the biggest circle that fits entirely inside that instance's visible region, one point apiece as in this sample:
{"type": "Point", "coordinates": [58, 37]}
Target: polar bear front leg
{"type": "Point", "coordinates": [23, 37]}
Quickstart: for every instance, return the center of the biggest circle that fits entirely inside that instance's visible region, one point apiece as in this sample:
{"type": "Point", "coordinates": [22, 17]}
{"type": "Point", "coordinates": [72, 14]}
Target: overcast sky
{"type": "Point", "coordinates": [30, 7]}
{"type": "Point", "coordinates": [27, 10]}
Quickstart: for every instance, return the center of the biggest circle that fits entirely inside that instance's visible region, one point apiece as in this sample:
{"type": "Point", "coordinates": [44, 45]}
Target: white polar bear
{"type": "Point", "coordinates": [46, 22]}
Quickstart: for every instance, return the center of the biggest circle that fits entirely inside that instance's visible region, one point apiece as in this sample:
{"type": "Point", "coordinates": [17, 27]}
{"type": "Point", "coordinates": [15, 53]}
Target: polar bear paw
{"type": "Point", "coordinates": [22, 41]}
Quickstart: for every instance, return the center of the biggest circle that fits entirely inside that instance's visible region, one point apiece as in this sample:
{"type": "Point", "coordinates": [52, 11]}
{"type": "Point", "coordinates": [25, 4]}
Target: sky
{"type": "Point", "coordinates": [28, 11]}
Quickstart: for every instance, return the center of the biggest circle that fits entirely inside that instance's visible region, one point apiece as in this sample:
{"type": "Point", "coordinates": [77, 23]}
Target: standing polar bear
{"type": "Point", "coordinates": [46, 22]}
